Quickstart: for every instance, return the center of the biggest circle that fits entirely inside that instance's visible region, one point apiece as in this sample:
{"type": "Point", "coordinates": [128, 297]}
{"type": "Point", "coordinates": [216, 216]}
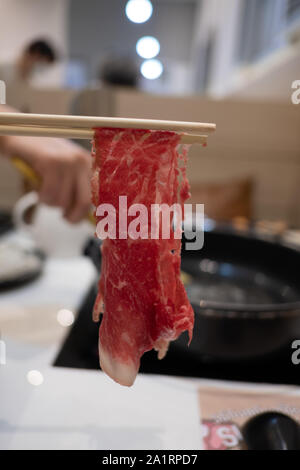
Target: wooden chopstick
{"type": "Point", "coordinates": [35, 131]}
{"type": "Point", "coordinates": [89, 122]}
{"type": "Point", "coordinates": [76, 133]}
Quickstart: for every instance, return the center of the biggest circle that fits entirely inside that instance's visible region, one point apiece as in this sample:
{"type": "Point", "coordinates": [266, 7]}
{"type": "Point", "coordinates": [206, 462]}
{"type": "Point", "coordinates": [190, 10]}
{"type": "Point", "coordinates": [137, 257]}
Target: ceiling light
{"type": "Point", "coordinates": [148, 47]}
{"type": "Point", "coordinates": [139, 11]}
{"type": "Point", "coordinates": [152, 69]}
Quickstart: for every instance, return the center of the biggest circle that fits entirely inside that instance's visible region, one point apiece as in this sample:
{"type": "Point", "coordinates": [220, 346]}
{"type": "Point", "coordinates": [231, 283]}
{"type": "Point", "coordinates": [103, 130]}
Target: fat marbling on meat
{"type": "Point", "coordinates": [141, 295]}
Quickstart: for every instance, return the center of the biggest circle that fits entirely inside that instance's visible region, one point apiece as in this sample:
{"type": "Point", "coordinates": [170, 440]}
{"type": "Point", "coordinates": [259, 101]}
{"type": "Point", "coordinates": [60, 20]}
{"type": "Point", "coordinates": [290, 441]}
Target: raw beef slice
{"type": "Point", "coordinates": [141, 296]}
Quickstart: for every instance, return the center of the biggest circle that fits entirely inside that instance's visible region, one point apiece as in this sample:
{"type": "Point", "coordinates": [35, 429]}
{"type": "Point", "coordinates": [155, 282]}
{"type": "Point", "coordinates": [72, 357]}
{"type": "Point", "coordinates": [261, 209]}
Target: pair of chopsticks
{"type": "Point", "coordinates": [83, 127]}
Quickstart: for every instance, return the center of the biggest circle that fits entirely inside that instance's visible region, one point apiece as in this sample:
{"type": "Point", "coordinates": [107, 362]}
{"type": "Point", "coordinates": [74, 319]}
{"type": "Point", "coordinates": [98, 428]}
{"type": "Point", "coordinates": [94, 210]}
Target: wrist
{"type": "Point", "coordinates": [8, 145]}
{"type": "Point", "coordinates": [5, 145]}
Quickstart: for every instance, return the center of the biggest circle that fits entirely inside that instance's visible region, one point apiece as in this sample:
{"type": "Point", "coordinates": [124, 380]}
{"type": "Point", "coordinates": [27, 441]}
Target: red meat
{"type": "Point", "coordinates": [141, 296]}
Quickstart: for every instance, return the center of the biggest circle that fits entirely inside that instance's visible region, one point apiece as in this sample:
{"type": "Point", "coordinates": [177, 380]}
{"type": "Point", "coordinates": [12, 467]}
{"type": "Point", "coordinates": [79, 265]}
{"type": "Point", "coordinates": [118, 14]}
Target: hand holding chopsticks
{"type": "Point", "coordinates": [58, 169]}
{"type": "Point", "coordinates": [74, 127]}
{"type": "Point", "coordinates": [35, 180]}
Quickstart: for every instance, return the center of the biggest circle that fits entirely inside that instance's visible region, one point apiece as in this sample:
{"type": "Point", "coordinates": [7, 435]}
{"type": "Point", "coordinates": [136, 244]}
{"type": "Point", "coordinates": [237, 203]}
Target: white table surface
{"type": "Point", "coordinates": [77, 409]}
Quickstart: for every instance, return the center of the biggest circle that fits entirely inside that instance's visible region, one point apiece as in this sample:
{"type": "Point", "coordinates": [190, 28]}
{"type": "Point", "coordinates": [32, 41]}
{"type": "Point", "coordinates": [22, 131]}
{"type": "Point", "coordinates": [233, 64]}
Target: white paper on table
{"type": "Point", "coordinates": [77, 409]}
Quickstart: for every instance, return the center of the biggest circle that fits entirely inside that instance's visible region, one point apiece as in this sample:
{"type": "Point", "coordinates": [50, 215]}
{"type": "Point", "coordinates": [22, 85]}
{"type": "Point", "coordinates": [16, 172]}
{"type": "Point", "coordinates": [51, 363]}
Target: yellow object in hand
{"type": "Point", "coordinates": [31, 176]}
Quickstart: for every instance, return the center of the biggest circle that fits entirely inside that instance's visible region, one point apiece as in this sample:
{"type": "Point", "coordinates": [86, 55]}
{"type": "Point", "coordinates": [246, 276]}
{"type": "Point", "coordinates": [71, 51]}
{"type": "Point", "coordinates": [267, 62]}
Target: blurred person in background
{"type": "Point", "coordinates": [35, 57]}
{"type": "Point", "coordinates": [64, 168]}
{"type": "Point", "coordinates": [119, 71]}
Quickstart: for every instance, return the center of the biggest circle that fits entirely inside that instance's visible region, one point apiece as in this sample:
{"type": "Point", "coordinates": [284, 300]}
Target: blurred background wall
{"type": "Point", "coordinates": [215, 47]}
{"type": "Point", "coordinates": [227, 61]}
{"type": "Point", "coordinates": [248, 48]}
